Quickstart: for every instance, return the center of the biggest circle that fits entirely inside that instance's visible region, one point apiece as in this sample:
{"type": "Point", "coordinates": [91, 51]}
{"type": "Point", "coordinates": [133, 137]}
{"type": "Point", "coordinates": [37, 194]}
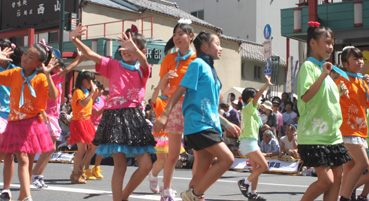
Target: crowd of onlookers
{"type": "Point", "coordinates": [278, 127]}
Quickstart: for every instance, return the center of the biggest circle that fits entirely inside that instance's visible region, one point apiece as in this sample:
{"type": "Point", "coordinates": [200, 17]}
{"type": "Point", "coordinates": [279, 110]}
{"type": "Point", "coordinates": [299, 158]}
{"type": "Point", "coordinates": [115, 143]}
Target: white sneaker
{"type": "Point", "coordinates": [154, 187]}
{"type": "Point", "coordinates": [5, 195]}
{"type": "Point", "coordinates": [36, 182]}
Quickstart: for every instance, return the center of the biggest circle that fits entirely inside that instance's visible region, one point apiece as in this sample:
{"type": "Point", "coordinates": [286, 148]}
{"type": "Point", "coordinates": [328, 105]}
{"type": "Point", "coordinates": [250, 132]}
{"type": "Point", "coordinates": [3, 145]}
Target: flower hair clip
{"type": "Point", "coordinates": [313, 24]}
{"type": "Point", "coordinates": [184, 21]}
{"type": "Point", "coordinates": [43, 43]}
{"type": "Point", "coordinates": [13, 46]}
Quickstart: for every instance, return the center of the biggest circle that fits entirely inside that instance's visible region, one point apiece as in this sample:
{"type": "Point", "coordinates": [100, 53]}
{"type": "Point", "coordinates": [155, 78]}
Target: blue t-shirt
{"type": "Point", "coordinates": [200, 104]}
{"type": "Point", "coordinates": [4, 95]}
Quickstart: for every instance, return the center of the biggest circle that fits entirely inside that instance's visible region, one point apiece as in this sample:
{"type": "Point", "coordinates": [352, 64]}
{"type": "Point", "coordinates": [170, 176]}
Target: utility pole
{"type": "Point", "coordinates": [61, 27]}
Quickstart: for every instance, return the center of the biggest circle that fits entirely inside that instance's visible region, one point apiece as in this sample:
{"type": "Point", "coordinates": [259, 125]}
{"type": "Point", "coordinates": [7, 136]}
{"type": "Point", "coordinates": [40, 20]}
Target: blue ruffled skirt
{"type": "Point", "coordinates": [106, 150]}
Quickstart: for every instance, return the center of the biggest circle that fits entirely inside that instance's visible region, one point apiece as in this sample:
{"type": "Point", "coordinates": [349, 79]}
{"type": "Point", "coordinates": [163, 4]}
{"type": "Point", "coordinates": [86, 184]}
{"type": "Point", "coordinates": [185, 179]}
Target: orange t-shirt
{"type": "Point", "coordinates": [79, 112]}
{"type": "Point", "coordinates": [159, 107]}
{"type": "Point", "coordinates": [169, 63]}
{"type": "Point", "coordinates": [354, 108]}
{"type": "Point", "coordinates": [32, 106]}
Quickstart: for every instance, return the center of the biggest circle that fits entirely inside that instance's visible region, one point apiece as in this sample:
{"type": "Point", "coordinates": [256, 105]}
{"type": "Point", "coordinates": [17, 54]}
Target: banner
{"type": "Point", "coordinates": [59, 157]}
{"type": "Point", "coordinates": [275, 165]}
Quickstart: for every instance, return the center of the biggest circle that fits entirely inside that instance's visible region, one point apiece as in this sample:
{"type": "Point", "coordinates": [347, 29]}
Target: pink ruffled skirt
{"type": "Point", "coordinates": [28, 135]}
{"type": "Point", "coordinates": [3, 123]}
{"type": "Point", "coordinates": [53, 127]}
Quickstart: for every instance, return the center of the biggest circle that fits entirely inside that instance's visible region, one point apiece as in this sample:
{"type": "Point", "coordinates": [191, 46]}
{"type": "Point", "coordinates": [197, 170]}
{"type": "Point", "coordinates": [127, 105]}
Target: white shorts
{"type": "Point", "coordinates": [248, 145]}
{"type": "Point", "coordinates": [355, 140]}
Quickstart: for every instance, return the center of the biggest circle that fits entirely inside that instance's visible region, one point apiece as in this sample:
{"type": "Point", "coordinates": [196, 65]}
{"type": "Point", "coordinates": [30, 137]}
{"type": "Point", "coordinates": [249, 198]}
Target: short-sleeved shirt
{"type": "Point", "coordinates": [250, 123]}
{"type": "Point", "coordinates": [32, 106]}
{"type": "Point", "coordinates": [287, 144]}
{"type": "Point", "coordinates": [159, 107]}
{"type": "Point", "coordinates": [200, 104]}
{"type": "Point", "coordinates": [97, 105]}
{"type": "Point", "coordinates": [280, 119]}
{"type": "Point", "coordinates": [270, 147]}
{"type": "Point", "coordinates": [79, 112]}
{"type": "Point", "coordinates": [320, 117]}
{"type": "Point", "coordinates": [126, 87]}
{"type": "Point", "coordinates": [354, 108]}
{"type": "Point", "coordinates": [232, 116]}
{"type": "Point", "coordinates": [53, 106]}
{"type": "Point", "coordinates": [169, 63]}
{"type": "Point", "coordinates": [5, 95]}
{"type": "Point", "coordinates": [289, 118]}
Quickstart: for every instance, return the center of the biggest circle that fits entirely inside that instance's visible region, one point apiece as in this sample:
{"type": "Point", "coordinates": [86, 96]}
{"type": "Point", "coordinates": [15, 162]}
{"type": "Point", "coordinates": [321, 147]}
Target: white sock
{"type": "Point", "coordinates": [167, 192]}
{"type": "Point", "coordinates": [254, 192]}
{"type": "Point", "coordinates": [34, 176]}
{"type": "Point", "coordinates": [246, 181]}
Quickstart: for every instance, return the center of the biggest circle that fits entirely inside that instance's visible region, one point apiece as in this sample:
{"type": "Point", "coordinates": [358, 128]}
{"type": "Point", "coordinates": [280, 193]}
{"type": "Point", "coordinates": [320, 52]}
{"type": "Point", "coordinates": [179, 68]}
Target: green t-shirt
{"type": "Point", "coordinates": [321, 117]}
{"type": "Point", "coordinates": [250, 123]}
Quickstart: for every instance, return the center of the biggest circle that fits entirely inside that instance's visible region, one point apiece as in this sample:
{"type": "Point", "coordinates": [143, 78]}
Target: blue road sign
{"type": "Point", "coordinates": [56, 53]}
{"type": "Point", "coordinates": [268, 68]}
{"type": "Point", "coordinates": [267, 31]}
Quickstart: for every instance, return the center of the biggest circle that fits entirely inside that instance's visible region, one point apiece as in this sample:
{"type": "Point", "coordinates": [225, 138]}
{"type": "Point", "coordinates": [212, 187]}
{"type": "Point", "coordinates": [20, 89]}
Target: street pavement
{"type": "Point", "coordinates": [274, 187]}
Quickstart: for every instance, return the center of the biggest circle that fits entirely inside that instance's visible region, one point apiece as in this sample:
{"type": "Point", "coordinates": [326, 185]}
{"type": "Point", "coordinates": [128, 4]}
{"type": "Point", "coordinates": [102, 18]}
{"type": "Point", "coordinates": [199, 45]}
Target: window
{"type": "Point", "coordinates": [243, 70]}
{"type": "Point", "coordinates": [53, 37]}
{"type": "Point", "coordinates": [257, 73]}
{"type": "Point", "coordinates": [198, 14]}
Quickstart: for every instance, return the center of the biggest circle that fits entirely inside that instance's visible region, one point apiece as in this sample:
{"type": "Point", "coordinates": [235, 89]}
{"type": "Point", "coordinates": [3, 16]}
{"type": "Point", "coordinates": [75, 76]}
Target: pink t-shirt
{"type": "Point", "coordinates": [126, 87]}
{"type": "Point", "coordinates": [53, 106]}
{"type": "Point", "coordinates": [97, 105]}
{"type": "Point", "coordinates": [280, 119]}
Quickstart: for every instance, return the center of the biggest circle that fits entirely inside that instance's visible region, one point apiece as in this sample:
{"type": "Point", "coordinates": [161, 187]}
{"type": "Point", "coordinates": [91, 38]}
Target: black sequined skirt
{"type": "Point", "coordinates": [124, 130]}
{"type": "Point", "coordinates": [323, 155]}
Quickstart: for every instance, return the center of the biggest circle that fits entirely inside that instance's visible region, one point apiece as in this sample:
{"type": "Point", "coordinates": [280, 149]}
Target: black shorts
{"type": "Point", "coordinates": [203, 139]}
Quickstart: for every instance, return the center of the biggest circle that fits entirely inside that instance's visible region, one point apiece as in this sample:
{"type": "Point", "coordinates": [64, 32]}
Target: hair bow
{"type": "Point", "coordinates": [43, 43]}
{"type": "Point", "coordinates": [13, 46]}
{"type": "Point", "coordinates": [133, 29]}
{"type": "Point", "coordinates": [313, 24]}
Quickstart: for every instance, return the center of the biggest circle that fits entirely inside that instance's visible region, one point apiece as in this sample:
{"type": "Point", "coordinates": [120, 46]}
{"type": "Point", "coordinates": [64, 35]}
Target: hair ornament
{"type": "Point", "coordinates": [348, 47]}
{"type": "Point", "coordinates": [313, 24]}
{"type": "Point", "coordinates": [134, 29]}
{"type": "Point", "coordinates": [184, 21]}
{"type": "Point", "coordinates": [43, 43]}
{"type": "Point", "coordinates": [13, 46]}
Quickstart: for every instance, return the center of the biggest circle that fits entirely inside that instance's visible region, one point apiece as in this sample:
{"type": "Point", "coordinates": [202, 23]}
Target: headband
{"type": "Point", "coordinates": [184, 21]}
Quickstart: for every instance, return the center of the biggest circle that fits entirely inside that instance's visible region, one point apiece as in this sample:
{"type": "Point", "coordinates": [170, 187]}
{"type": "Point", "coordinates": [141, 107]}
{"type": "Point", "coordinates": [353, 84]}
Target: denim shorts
{"type": "Point", "coordinates": [248, 145]}
{"type": "Point", "coordinates": [355, 140]}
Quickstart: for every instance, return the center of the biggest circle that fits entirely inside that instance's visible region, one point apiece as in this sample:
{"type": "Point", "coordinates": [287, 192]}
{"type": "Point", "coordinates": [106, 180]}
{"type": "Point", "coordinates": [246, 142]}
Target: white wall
{"type": "Point", "coordinates": [246, 19]}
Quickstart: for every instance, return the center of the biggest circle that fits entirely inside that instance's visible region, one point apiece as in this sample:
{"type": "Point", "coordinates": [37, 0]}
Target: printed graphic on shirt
{"type": "Point", "coordinates": [355, 121]}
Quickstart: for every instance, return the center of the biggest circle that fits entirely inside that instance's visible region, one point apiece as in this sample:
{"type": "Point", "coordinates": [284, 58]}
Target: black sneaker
{"type": "Point", "coordinates": [353, 195]}
{"type": "Point", "coordinates": [255, 197]}
{"type": "Point", "coordinates": [244, 188]}
{"type": "Point", "coordinates": [5, 196]}
{"type": "Point", "coordinates": [344, 199]}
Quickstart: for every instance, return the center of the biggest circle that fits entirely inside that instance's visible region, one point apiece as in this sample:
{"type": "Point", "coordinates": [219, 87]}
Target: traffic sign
{"type": "Point", "coordinates": [56, 53]}
{"type": "Point", "coordinates": [268, 68]}
{"type": "Point", "coordinates": [267, 32]}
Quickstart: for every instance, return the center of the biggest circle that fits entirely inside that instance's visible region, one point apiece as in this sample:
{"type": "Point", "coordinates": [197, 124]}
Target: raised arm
{"type": "Point", "coordinates": [262, 89]}
{"type": "Point", "coordinates": [79, 31]}
{"type": "Point", "coordinates": [129, 46]}
{"type": "Point", "coordinates": [92, 95]}
{"type": "Point", "coordinates": [53, 92]}
{"type": "Point", "coordinates": [80, 58]}
{"type": "Point", "coordinates": [162, 84]}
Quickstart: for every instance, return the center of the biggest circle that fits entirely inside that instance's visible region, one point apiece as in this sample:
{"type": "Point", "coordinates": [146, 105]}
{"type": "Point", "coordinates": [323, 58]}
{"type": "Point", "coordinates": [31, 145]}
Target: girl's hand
{"type": "Point", "coordinates": [80, 56]}
{"type": "Point", "coordinates": [160, 123]}
{"type": "Point", "coordinates": [78, 31]}
{"type": "Point", "coordinates": [234, 129]}
{"type": "Point", "coordinates": [45, 116]}
{"type": "Point", "coordinates": [343, 89]}
{"type": "Point", "coordinates": [268, 78]}
{"type": "Point", "coordinates": [47, 69]}
{"type": "Point", "coordinates": [93, 86]}
{"type": "Point", "coordinates": [4, 54]}
{"type": "Point", "coordinates": [127, 43]}
{"type": "Point", "coordinates": [170, 75]}
{"type": "Point", "coordinates": [326, 68]}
